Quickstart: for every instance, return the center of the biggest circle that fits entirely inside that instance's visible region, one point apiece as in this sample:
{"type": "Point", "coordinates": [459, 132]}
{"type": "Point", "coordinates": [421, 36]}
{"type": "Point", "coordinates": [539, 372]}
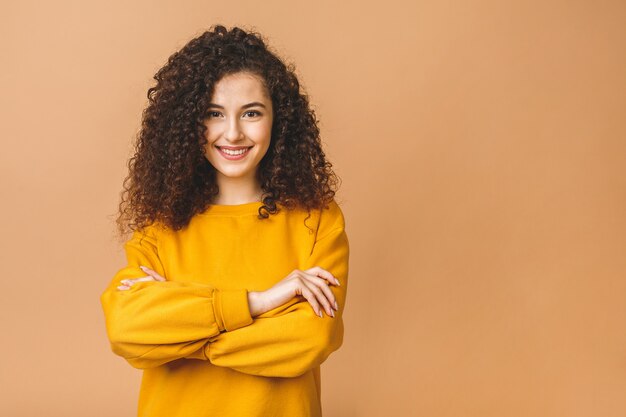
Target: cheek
{"type": "Point", "coordinates": [260, 133]}
{"type": "Point", "coordinates": [211, 133]}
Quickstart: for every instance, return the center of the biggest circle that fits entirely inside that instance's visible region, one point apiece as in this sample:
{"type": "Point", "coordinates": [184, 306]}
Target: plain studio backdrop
{"type": "Point", "coordinates": [482, 148]}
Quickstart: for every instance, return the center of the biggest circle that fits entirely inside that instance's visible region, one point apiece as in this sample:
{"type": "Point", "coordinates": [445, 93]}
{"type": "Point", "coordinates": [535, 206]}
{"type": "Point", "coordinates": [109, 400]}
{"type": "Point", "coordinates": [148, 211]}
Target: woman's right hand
{"type": "Point", "coordinates": [312, 284]}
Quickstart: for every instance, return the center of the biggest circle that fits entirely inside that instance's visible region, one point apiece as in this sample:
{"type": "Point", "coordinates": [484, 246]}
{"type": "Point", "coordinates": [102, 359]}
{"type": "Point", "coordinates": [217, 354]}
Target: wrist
{"type": "Point", "coordinates": [255, 303]}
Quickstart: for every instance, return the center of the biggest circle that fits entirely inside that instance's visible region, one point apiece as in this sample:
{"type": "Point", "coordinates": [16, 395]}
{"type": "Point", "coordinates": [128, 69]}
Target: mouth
{"type": "Point", "coordinates": [233, 153]}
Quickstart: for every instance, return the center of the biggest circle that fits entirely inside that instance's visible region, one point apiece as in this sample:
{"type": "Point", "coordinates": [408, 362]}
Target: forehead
{"type": "Point", "coordinates": [238, 88]}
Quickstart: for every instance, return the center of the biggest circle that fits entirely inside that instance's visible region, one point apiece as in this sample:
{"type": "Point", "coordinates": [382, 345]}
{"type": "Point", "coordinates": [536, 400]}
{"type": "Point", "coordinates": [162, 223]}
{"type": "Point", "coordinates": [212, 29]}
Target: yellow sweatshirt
{"type": "Point", "coordinates": [201, 352]}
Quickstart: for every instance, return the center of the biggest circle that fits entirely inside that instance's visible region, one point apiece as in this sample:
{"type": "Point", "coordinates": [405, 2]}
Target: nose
{"type": "Point", "coordinates": [233, 130]}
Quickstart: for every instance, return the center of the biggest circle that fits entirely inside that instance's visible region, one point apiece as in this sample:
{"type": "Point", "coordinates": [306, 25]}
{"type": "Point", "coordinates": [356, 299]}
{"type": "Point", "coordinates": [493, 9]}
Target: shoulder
{"type": "Point", "coordinates": [331, 218]}
{"type": "Point", "coordinates": [150, 233]}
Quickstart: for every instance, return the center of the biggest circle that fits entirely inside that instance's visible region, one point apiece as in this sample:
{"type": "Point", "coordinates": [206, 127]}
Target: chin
{"type": "Point", "coordinates": [233, 173]}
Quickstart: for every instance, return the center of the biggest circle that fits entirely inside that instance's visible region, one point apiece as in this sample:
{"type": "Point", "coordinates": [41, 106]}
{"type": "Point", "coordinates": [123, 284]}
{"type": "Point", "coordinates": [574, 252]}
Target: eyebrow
{"type": "Point", "coordinates": [245, 106]}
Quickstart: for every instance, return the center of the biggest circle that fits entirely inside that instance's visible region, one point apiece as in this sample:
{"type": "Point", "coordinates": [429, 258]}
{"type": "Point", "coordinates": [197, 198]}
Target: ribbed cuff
{"type": "Point", "coordinates": [231, 309]}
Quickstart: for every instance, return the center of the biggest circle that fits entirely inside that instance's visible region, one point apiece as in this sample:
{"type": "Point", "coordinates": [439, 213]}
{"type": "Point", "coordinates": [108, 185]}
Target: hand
{"type": "Point", "coordinates": [152, 276]}
{"type": "Point", "coordinates": [312, 284]}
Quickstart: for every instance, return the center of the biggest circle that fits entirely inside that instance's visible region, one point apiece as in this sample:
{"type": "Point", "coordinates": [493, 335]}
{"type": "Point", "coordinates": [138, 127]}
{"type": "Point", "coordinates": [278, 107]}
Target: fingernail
{"type": "Point", "coordinates": [143, 268]}
{"type": "Point", "coordinates": [336, 305]}
{"type": "Point", "coordinates": [332, 313]}
{"type": "Point", "coordinates": [319, 313]}
{"type": "Point", "coordinates": [337, 281]}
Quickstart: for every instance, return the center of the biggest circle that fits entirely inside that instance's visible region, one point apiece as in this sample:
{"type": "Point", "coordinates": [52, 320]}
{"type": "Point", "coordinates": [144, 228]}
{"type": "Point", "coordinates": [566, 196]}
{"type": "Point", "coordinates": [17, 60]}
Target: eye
{"type": "Point", "coordinates": [253, 113]}
{"type": "Point", "coordinates": [213, 114]}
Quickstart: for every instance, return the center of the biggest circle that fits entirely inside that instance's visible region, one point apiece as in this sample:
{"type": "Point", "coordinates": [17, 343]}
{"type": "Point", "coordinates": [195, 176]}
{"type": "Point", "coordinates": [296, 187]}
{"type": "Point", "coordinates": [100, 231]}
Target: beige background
{"type": "Point", "coordinates": [482, 147]}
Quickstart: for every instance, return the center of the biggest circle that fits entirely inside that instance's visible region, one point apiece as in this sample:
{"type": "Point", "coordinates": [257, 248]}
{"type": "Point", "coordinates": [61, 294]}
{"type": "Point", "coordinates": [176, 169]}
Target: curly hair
{"type": "Point", "coordinates": [170, 179]}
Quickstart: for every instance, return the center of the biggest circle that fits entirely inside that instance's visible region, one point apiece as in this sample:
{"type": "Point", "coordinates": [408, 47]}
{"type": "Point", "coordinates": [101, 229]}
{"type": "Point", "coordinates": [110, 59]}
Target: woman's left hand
{"type": "Point", "coordinates": [152, 276]}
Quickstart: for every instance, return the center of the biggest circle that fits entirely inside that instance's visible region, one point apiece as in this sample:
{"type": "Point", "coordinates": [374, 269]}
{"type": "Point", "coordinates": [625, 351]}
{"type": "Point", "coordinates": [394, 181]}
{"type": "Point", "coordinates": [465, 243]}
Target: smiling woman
{"type": "Point", "coordinates": [239, 135]}
{"type": "Point", "coordinates": [237, 268]}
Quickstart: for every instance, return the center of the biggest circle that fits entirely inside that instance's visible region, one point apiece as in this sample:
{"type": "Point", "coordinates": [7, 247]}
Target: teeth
{"type": "Point", "coordinates": [237, 152]}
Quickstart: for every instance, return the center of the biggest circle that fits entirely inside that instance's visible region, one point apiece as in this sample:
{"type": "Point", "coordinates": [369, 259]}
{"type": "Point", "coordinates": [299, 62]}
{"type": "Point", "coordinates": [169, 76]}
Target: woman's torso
{"type": "Point", "coordinates": [229, 247]}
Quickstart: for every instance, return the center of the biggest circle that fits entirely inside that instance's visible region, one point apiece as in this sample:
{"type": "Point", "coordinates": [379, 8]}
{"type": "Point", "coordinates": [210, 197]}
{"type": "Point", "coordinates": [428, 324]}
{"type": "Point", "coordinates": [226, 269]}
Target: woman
{"type": "Point", "coordinates": [237, 267]}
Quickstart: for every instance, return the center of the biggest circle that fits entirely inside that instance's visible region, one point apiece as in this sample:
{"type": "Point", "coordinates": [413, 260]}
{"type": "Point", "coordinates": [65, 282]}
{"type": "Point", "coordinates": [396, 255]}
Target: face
{"type": "Point", "coordinates": [239, 125]}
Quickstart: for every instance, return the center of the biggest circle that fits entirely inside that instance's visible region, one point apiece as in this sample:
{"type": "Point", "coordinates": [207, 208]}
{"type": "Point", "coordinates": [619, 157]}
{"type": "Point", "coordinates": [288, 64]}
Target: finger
{"type": "Point", "coordinates": [319, 271]}
{"type": "Point", "coordinates": [123, 287]}
{"type": "Point", "coordinates": [130, 282]}
{"type": "Point", "coordinates": [152, 272]}
{"type": "Point", "coordinates": [310, 297]}
{"type": "Point", "coordinates": [320, 297]}
{"type": "Point", "coordinates": [144, 279]}
{"type": "Point", "coordinates": [322, 284]}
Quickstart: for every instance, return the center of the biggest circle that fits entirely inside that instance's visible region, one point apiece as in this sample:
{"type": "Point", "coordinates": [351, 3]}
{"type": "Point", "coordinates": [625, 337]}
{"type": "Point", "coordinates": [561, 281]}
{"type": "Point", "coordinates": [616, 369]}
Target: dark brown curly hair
{"type": "Point", "coordinates": [170, 179]}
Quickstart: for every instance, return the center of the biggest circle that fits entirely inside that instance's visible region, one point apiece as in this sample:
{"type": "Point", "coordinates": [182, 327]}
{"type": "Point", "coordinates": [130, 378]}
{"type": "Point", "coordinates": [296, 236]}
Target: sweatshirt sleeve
{"type": "Point", "coordinates": [156, 322]}
{"type": "Point", "coordinates": [296, 340]}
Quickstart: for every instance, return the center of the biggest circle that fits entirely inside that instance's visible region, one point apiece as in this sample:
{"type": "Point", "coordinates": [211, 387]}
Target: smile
{"type": "Point", "coordinates": [233, 154]}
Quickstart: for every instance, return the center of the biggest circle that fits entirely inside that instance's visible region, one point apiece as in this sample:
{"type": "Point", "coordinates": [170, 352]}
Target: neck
{"type": "Point", "coordinates": [234, 191]}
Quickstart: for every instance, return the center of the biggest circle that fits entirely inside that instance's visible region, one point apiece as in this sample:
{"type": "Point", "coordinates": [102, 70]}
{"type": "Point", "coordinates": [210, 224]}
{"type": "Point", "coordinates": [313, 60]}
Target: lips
{"type": "Point", "coordinates": [227, 152]}
{"type": "Point", "coordinates": [232, 148]}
